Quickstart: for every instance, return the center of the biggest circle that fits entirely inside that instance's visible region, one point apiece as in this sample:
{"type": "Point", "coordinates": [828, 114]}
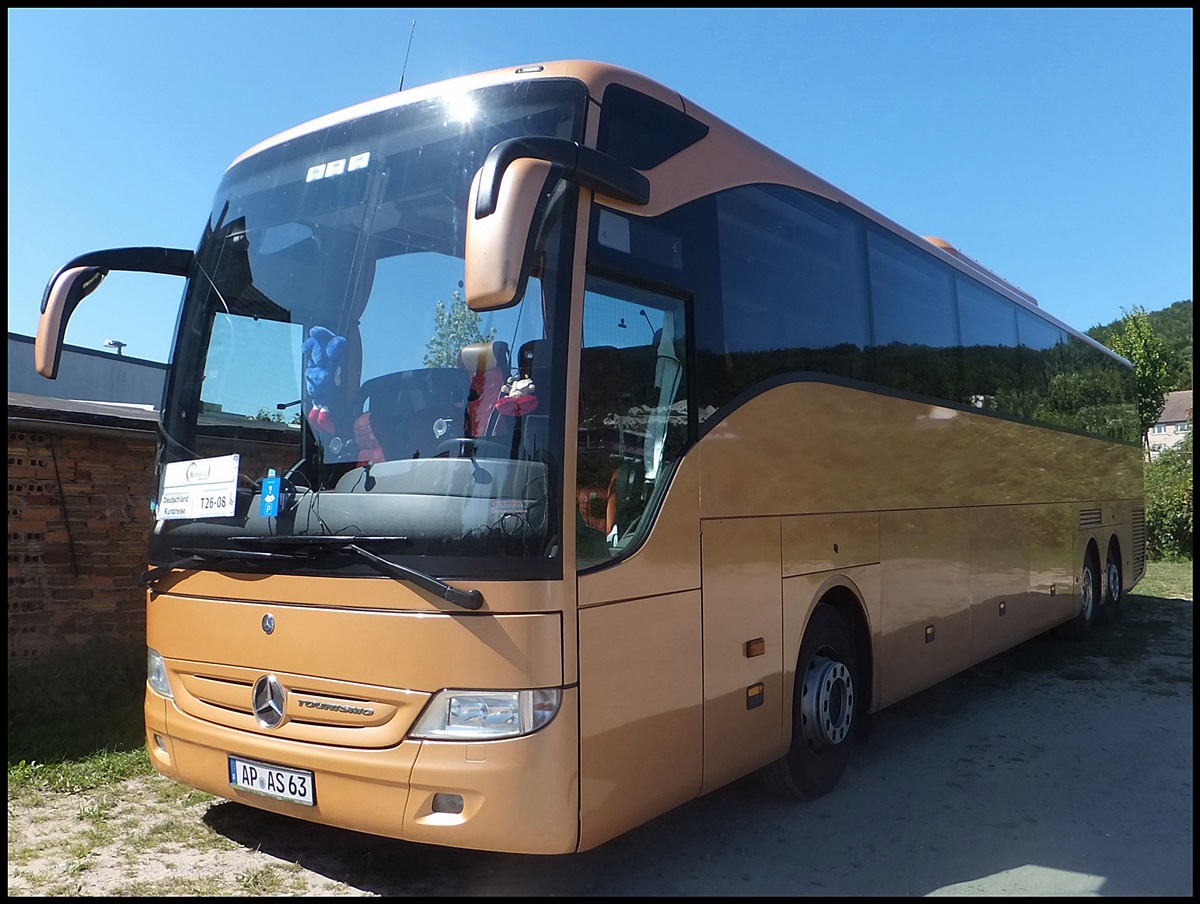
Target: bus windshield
{"type": "Point", "coordinates": [329, 379]}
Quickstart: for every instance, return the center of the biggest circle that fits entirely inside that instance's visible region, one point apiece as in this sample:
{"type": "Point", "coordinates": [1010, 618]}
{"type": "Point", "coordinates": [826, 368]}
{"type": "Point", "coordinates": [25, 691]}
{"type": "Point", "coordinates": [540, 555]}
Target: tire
{"type": "Point", "coordinates": [1110, 599]}
{"type": "Point", "coordinates": [1089, 597]}
{"type": "Point", "coordinates": [826, 711]}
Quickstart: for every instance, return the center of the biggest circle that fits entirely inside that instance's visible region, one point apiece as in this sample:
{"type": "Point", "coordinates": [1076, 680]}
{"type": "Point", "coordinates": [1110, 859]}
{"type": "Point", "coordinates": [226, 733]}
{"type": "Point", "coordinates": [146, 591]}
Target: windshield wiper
{"type": "Point", "coordinates": [313, 541]}
{"type": "Point", "coordinates": [196, 557]}
{"type": "Point", "coordinates": [467, 599]}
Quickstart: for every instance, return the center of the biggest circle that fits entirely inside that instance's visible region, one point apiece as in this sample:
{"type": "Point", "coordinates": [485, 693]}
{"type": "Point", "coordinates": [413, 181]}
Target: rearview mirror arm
{"type": "Point", "coordinates": [584, 166]}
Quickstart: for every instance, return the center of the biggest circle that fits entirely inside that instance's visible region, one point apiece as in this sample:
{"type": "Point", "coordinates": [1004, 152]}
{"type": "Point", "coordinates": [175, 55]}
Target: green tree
{"type": "Point", "coordinates": [1173, 325]}
{"type": "Point", "coordinates": [454, 325]}
{"type": "Point", "coordinates": [1169, 503]}
{"type": "Point", "coordinates": [1136, 340]}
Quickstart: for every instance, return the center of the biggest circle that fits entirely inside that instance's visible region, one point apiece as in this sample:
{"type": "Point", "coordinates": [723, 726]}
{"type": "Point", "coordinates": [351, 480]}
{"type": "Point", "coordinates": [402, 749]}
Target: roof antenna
{"type": "Point", "coordinates": [406, 53]}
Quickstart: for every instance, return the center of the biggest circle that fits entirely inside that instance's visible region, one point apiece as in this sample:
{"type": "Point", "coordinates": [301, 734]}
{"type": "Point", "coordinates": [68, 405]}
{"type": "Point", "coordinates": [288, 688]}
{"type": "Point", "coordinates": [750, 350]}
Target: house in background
{"type": "Point", "coordinates": [1173, 424]}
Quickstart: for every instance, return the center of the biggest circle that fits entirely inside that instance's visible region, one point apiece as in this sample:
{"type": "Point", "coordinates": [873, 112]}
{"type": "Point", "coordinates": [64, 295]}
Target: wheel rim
{"type": "Point", "coordinates": [1087, 594]}
{"type": "Point", "coordinates": [826, 703]}
{"type": "Point", "coordinates": [1112, 576]}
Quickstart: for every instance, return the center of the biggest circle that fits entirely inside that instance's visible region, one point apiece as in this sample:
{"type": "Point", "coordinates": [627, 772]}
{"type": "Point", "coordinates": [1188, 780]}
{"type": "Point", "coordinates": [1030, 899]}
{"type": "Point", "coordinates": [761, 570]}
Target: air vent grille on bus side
{"type": "Point", "coordinates": [1089, 519]}
{"type": "Point", "coordinates": [1138, 522]}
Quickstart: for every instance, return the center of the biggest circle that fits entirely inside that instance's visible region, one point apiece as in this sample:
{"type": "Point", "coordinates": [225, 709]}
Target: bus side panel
{"type": "Point", "coordinates": [926, 594]}
{"type": "Point", "coordinates": [1004, 610]}
{"type": "Point", "coordinates": [811, 447]}
{"type": "Point", "coordinates": [1052, 560]}
{"type": "Point", "coordinates": [743, 647]}
{"type": "Point", "coordinates": [641, 729]}
{"type": "Point", "coordinates": [815, 543]}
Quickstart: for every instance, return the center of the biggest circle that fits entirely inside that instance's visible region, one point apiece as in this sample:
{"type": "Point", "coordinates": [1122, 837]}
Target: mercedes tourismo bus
{"type": "Point", "coordinates": [539, 452]}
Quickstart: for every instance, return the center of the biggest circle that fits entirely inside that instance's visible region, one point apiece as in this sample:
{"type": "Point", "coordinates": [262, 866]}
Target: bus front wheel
{"type": "Point", "coordinates": [825, 711]}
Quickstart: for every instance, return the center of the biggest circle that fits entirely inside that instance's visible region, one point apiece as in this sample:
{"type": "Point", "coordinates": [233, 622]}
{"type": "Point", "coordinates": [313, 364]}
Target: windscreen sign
{"type": "Point", "coordinates": [200, 488]}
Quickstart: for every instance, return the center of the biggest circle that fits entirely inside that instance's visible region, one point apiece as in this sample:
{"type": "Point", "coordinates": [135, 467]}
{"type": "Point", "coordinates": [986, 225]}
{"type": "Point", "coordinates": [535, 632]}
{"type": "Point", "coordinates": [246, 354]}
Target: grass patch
{"type": "Point", "coordinates": [99, 769]}
{"type": "Point", "coordinates": [1167, 580]}
{"type": "Point", "coordinates": [191, 886]}
{"type": "Point", "coordinates": [75, 719]}
{"type": "Point", "coordinates": [265, 880]}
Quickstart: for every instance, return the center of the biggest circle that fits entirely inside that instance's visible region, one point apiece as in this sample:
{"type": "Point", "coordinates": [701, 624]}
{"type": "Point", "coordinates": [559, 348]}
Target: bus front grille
{"type": "Point", "coordinates": [315, 710]}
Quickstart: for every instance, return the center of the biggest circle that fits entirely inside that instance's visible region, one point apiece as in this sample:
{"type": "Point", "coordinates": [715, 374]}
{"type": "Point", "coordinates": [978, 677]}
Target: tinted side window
{"type": "Point", "coordinates": [793, 297]}
{"type": "Point", "coordinates": [642, 131]}
{"type": "Point", "coordinates": [778, 282]}
{"type": "Point", "coordinates": [915, 319]}
{"type": "Point", "coordinates": [988, 323]}
{"type": "Point", "coordinates": [1089, 391]}
{"type": "Point", "coordinates": [1042, 354]}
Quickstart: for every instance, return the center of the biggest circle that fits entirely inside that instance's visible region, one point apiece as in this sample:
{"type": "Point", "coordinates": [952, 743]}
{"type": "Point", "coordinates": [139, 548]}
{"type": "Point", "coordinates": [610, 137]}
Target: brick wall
{"type": "Point", "coordinates": [78, 521]}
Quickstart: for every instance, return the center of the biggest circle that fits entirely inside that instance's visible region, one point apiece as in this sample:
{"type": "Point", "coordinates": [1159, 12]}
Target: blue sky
{"type": "Point", "coordinates": [1054, 146]}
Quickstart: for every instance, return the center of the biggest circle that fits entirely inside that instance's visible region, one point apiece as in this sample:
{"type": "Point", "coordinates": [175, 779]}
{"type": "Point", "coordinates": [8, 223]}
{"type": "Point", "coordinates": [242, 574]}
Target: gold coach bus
{"type": "Point", "coordinates": [539, 453]}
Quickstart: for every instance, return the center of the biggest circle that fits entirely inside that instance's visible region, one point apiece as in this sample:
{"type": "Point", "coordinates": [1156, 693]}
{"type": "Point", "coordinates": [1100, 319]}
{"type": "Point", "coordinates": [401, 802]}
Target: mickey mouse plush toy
{"type": "Point", "coordinates": [324, 357]}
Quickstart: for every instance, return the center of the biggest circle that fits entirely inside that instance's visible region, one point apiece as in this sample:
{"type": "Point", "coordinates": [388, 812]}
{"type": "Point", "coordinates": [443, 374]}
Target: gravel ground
{"type": "Point", "coordinates": [1054, 769]}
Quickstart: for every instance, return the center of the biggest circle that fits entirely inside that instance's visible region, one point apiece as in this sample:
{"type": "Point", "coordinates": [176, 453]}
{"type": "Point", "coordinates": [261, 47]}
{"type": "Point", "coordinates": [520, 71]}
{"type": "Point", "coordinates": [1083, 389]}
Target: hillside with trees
{"type": "Point", "coordinates": [1173, 327]}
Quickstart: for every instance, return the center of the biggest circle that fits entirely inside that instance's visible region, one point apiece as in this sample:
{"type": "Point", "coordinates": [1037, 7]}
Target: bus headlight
{"type": "Point", "coordinates": [156, 674]}
{"type": "Point", "coordinates": [485, 715]}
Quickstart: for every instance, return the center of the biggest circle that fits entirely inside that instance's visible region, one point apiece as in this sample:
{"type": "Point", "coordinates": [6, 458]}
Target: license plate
{"type": "Point", "coordinates": [279, 782]}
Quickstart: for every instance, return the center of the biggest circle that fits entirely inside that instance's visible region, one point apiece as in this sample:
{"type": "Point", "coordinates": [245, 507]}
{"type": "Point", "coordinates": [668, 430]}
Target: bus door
{"type": "Point", "coordinates": [637, 550]}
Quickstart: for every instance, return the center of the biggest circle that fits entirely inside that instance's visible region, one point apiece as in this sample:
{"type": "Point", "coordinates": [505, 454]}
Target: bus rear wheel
{"type": "Point", "coordinates": [825, 711]}
{"type": "Point", "coordinates": [1110, 600]}
{"type": "Point", "coordinates": [1089, 596]}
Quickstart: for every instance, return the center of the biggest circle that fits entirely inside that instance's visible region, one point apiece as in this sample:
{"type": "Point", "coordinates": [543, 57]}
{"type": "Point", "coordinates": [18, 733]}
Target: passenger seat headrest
{"type": "Point", "coordinates": [480, 357]}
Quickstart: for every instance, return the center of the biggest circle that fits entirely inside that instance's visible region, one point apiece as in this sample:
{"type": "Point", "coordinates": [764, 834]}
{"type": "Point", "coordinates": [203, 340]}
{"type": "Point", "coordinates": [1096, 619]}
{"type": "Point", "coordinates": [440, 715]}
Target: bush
{"type": "Point", "coordinates": [1169, 503]}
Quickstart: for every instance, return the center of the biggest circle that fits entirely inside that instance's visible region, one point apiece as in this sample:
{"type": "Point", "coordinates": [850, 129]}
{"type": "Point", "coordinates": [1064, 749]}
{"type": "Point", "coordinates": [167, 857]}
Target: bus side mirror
{"type": "Point", "coordinates": [504, 205]}
{"type": "Point", "coordinates": [78, 279]}
{"type": "Point", "coordinates": [66, 289]}
{"type": "Point", "coordinates": [498, 244]}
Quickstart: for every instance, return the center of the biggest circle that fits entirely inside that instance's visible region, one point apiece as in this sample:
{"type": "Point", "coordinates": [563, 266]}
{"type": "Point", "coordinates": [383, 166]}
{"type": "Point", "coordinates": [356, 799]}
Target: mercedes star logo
{"type": "Point", "coordinates": [268, 623]}
{"type": "Point", "coordinates": [270, 700]}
